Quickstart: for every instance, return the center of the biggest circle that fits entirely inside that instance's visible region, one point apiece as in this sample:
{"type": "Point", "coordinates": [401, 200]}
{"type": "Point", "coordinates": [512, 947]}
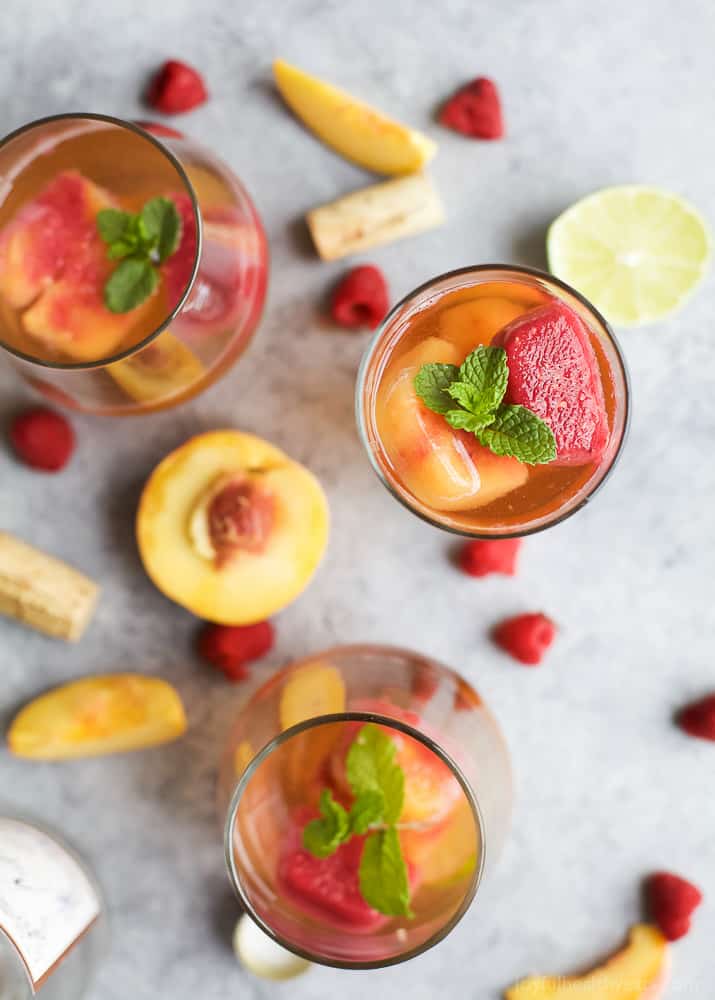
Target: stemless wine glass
{"type": "Point", "coordinates": [290, 741]}
{"type": "Point", "coordinates": [54, 326]}
{"type": "Point", "coordinates": [489, 296]}
{"type": "Point", "coordinates": [52, 929]}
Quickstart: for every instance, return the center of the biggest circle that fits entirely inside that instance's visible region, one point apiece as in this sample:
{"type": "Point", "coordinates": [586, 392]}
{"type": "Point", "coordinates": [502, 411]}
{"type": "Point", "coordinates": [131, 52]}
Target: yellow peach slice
{"type": "Point", "coordinates": [471, 324]}
{"type": "Point", "coordinates": [352, 128]}
{"type": "Point", "coordinates": [443, 468]}
{"type": "Point", "coordinates": [448, 854]}
{"type": "Point", "coordinates": [265, 527]}
{"type": "Point", "coordinates": [312, 690]}
{"type": "Point", "coordinates": [431, 459]}
{"type": "Point", "coordinates": [639, 971]}
{"type": "Point", "coordinates": [98, 715]}
{"type": "Point", "coordinates": [163, 368]}
{"type": "Point", "coordinates": [242, 757]}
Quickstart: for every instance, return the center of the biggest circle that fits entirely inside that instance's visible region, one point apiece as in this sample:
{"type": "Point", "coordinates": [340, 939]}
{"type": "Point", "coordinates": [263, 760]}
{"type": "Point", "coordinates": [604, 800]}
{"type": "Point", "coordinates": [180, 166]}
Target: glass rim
{"type": "Point", "coordinates": [130, 126]}
{"type": "Point", "coordinates": [415, 293]}
{"type": "Point", "coordinates": [392, 723]}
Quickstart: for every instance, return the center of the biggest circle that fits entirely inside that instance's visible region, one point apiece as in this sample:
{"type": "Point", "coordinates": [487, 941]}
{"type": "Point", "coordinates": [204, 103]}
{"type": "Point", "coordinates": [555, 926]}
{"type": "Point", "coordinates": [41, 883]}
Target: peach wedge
{"type": "Point", "coordinates": [164, 368]}
{"type": "Point", "coordinates": [640, 971]}
{"type": "Point", "coordinates": [231, 528]}
{"type": "Point", "coordinates": [352, 128]}
{"type": "Point", "coordinates": [98, 715]}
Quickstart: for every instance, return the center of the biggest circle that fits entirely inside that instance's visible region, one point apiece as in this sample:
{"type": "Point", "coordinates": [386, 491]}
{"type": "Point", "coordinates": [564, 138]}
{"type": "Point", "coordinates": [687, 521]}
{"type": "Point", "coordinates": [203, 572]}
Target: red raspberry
{"type": "Point", "coordinates": [525, 637]}
{"type": "Point", "coordinates": [176, 87]}
{"type": "Point", "coordinates": [163, 131]}
{"type": "Point", "coordinates": [483, 557]}
{"type": "Point", "coordinates": [698, 718]}
{"type": "Point", "coordinates": [361, 298]}
{"type": "Point", "coordinates": [43, 439]}
{"type": "Point", "coordinates": [425, 682]}
{"type": "Point", "coordinates": [230, 648]}
{"type": "Point", "coordinates": [671, 901]}
{"type": "Point", "coordinates": [475, 110]}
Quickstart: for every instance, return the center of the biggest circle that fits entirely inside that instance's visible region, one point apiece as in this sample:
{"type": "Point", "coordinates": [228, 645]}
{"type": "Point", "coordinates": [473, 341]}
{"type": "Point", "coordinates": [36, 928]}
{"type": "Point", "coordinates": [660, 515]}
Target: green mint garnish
{"type": "Point", "coordinates": [141, 242]}
{"type": "Point", "coordinates": [130, 284]}
{"type": "Point", "coordinates": [323, 836]}
{"type": "Point", "coordinates": [519, 433]}
{"type": "Point", "coordinates": [383, 874]}
{"type": "Point", "coordinates": [378, 786]}
{"type": "Point", "coordinates": [371, 767]}
{"type": "Point", "coordinates": [477, 388]}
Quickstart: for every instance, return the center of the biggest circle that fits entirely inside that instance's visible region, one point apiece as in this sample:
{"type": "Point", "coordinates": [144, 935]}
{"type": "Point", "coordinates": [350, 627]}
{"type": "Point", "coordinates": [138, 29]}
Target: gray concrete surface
{"type": "Point", "coordinates": [607, 788]}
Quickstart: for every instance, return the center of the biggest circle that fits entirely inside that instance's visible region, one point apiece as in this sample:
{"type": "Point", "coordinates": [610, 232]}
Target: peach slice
{"type": "Point", "coordinates": [231, 528]}
{"type": "Point", "coordinates": [640, 971]}
{"type": "Point", "coordinates": [54, 265]}
{"type": "Point", "coordinates": [444, 468]}
{"type": "Point", "coordinates": [98, 715]}
{"type": "Point", "coordinates": [470, 324]}
{"type": "Point", "coordinates": [54, 231]}
{"type": "Point", "coordinates": [242, 757]}
{"type": "Point", "coordinates": [163, 368]}
{"type": "Point", "coordinates": [312, 690]}
{"type": "Point", "coordinates": [446, 854]}
{"type": "Point", "coordinates": [354, 129]}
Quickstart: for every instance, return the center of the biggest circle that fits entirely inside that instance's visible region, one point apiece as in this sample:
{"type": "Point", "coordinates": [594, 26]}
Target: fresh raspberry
{"type": "Point", "coordinates": [42, 439]}
{"type": "Point", "coordinates": [480, 558]}
{"type": "Point", "coordinates": [163, 131]}
{"type": "Point", "coordinates": [361, 298]}
{"type": "Point", "coordinates": [475, 110]}
{"type": "Point", "coordinates": [671, 901]}
{"type": "Point", "coordinates": [525, 637]}
{"type": "Point", "coordinates": [176, 87]}
{"type": "Point", "coordinates": [425, 682]}
{"type": "Point", "coordinates": [698, 718]}
{"type": "Point", "coordinates": [230, 648]}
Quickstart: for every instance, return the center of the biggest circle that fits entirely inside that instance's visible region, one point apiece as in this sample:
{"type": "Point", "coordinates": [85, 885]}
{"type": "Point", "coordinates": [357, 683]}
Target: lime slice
{"type": "Point", "coordinates": [263, 956]}
{"type": "Point", "coordinates": [635, 252]}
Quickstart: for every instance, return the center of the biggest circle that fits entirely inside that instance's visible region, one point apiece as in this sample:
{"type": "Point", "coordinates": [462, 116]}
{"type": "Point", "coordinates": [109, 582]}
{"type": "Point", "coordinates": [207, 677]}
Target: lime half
{"type": "Point", "coordinates": [635, 252]}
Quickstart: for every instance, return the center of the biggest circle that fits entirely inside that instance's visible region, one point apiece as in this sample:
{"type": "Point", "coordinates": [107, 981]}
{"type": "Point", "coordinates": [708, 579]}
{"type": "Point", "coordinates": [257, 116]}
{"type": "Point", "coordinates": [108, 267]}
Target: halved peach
{"type": "Point", "coordinates": [640, 971]}
{"type": "Point", "coordinates": [231, 528]}
{"type": "Point", "coordinates": [444, 468]}
{"type": "Point", "coordinates": [471, 324]}
{"type": "Point", "coordinates": [163, 368]}
{"type": "Point", "coordinates": [98, 715]}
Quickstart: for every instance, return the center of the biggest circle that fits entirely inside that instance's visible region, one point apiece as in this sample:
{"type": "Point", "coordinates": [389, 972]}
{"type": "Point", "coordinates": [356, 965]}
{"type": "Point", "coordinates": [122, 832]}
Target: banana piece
{"type": "Point", "coordinates": [42, 592]}
{"type": "Point", "coordinates": [374, 215]}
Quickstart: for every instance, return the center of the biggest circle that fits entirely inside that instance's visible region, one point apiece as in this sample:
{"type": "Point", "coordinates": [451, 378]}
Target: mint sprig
{"type": "Point", "coordinates": [141, 242]}
{"type": "Point", "coordinates": [378, 785]}
{"type": "Point", "coordinates": [477, 388]}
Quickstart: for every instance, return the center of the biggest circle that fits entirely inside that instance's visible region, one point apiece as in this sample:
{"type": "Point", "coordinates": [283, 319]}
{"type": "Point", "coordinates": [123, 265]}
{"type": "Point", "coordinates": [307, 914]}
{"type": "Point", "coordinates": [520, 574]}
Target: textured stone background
{"type": "Point", "coordinates": [607, 788]}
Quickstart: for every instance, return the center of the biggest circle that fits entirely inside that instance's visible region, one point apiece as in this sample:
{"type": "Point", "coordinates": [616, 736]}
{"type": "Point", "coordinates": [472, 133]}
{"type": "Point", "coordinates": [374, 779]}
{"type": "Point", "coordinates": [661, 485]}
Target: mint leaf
{"type": "Point", "coordinates": [431, 384]}
{"type": "Point", "coordinates": [323, 836]}
{"type": "Point", "coordinates": [383, 874]}
{"type": "Point", "coordinates": [113, 224]}
{"type": "Point", "coordinates": [486, 371]}
{"type": "Point", "coordinates": [519, 433]}
{"type": "Point", "coordinates": [122, 248]}
{"type": "Point", "coordinates": [160, 224]}
{"type": "Point", "coordinates": [462, 420]}
{"type": "Point", "coordinates": [367, 808]}
{"type": "Point", "coordinates": [130, 284]}
{"type": "Point", "coordinates": [371, 767]}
